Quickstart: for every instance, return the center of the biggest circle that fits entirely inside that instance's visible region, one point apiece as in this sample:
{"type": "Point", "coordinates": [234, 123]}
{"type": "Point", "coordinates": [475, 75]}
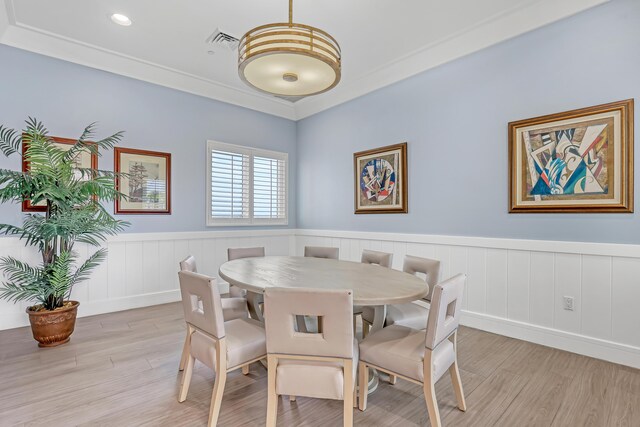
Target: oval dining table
{"type": "Point", "coordinates": [372, 285]}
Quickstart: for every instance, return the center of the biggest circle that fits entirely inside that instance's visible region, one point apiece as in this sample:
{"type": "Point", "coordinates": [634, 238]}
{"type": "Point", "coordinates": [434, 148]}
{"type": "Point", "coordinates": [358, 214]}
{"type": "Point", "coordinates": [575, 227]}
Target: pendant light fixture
{"type": "Point", "coordinates": [289, 59]}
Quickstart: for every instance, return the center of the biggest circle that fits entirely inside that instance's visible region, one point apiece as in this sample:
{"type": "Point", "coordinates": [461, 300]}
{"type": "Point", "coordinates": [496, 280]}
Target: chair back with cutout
{"type": "Point", "coordinates": [444, 313]}
{"type": "Point", "coordinates": [201, 303]}
{"type": "Point", "coordinates": [334, 310]}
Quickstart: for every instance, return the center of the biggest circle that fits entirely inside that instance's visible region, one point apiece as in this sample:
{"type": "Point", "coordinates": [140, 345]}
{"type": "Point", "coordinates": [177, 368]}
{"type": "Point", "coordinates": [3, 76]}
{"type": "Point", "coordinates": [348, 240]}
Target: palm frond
{"type": "Point", "coordinates": [60, 274]}
{"type": "Point", "coordinates": [10, 141]}
{"type": "Point", "coordinates": [24, 282]}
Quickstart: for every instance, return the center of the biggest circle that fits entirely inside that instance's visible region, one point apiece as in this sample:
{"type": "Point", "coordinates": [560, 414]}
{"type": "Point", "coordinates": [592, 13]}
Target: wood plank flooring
{"type": "Point", "coordinates": [120, 369]}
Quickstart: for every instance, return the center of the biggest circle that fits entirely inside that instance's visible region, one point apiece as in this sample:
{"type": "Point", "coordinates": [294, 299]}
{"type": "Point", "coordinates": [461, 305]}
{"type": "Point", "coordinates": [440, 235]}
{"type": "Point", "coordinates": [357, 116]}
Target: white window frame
{"type": "Point", "coordinates": [251, 152]}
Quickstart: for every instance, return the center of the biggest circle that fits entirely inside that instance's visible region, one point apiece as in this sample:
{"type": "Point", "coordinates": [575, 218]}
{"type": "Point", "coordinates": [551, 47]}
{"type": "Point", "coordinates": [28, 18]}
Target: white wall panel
{"type": "Point", "coordinates": [516, 287]}
{"type": "Point", "coordinates": [568, 269]}
{"type": "Point", "coordinates": [625, 293]}
{"type": "Point", "coordinates": [542, 288]}
{"type": "Point", "coordinates": [141, 269]}
{"type": "Point", "coordinates": [510, 289]}
{"type": "Point", "coordinates": [496, 299]}
{"type": "Point", "coordinates": [596, 296]}
{"type": "Point", "coordinates": [518, 266]}
{"type": "Point", "coordinates": [477, 280]}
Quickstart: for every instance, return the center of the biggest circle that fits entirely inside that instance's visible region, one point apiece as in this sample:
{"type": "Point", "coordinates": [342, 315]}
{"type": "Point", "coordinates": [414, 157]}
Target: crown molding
{"type": "Point", "coordinates": [504, 26]}
{"type": "Point", "coordinates": [501, 27]}
{"type": "Point", "coordinates": [45, 43]}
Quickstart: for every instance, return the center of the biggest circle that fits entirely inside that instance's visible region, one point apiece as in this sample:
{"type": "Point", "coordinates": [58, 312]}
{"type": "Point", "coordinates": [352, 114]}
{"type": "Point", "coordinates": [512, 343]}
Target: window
{"type": "Point", "coordinates": [246, 186]}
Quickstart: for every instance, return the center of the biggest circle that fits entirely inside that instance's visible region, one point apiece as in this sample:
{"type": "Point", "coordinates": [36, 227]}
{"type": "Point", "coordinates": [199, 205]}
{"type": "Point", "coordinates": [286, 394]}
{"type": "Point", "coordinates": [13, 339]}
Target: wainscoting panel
{"type": "Point", "coordinates": [516, 287]}
{"type": "Point", "coordinates": [141, 269]}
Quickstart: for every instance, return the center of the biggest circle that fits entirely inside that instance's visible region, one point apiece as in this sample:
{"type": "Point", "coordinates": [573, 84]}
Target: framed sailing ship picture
{"type": "Point", "coordinates": [145, 180]}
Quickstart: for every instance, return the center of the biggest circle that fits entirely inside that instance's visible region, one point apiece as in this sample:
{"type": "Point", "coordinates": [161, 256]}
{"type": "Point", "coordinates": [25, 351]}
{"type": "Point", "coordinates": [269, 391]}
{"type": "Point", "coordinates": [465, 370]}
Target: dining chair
{"type": "Point", "coordinates": [319, 365]}
{"type": "Point", "coordinates": [232, 308]}
{"type": "Point", "coordinates": [409, 314]}
{"type": "Point", "coordinates": [238, 253]}
{"type": "Point", "coordinates": [420, 356]}
{"type": "Point", "coordinates": [382, 259]}
{"type": "Point", "coordinates": [222, 346]}
{"type": "Point", "coordinates": [321, 252]}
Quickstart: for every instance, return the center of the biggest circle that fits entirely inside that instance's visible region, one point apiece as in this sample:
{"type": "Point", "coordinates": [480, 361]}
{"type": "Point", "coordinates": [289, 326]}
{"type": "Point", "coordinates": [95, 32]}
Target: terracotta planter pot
{"type": "Point", "coordinates": [52, 328]}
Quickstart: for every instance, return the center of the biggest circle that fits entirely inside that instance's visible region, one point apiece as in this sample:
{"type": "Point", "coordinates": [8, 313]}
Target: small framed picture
{"type": "Point", "coordinates": [579, 161]}
{"type": "Point", "coordinates": [145, 181]}
{"type": "Point", "coordinates": [84, 159]}
{"type": "Point", "coordinates": [381, 180]}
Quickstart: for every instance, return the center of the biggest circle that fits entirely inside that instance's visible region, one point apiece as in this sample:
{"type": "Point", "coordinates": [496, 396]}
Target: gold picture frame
{"type": "Point", "coordinates": [380, 178]}
{"type": "Point", "coordinates": [578, 161]}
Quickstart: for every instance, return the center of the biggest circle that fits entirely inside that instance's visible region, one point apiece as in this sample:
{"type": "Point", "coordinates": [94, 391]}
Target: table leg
{"type": "Point", "coordinates": [379, 317]}
{"type": "Point", "coordinates": [253, 301]}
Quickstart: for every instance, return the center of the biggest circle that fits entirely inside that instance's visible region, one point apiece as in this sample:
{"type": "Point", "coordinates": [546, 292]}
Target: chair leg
{"type": "Point", "coordinates": [245, 370]}
{"type": "Point", "coordinates": [185, 352]}
{"type": "Point", "coordinates": [292, 398]}
{"type": "Point", "coordinates": [216, 397]}
{"type": "Point", "coordinates": [186, 379]}
{"type": "Point", "coordinates": [432, 404]}
{"type": "Point", "coordinates": [347, 393]}
{"type": "Point", "coordinates": [457, 386]}
{"type": "Point", "coordinates": [272, 397]}
{"type": "Point", "coordinates": [365, 328]}
{"type": "Point", "coordinates": [393, 379]}
{"type": "Point", "coordinates": [428, 387]}
{"type": "Point", "coordinates": [355, 395]}
{"type": "Point", "coordinates": [355, 324]}
{"type": "Point", "coordinates": [363, 384]}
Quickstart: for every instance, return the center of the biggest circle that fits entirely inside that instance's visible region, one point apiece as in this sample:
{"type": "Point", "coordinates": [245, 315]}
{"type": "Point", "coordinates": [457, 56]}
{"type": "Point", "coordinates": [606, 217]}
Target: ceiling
{"type": "Point", "coordinates": [382, 41]}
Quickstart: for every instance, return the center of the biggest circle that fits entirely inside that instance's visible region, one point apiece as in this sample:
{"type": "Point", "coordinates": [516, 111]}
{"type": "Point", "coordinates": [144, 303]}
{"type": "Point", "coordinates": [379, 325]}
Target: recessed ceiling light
{"type": "Point", "coordinates": [120, 19]}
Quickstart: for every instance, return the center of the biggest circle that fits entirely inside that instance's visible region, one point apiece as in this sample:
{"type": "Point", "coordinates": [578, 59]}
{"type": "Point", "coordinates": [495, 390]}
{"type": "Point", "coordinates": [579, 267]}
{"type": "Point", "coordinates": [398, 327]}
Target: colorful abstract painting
{"type": "Point", "coordinates": [577, 161]}
{"type": "Point", "coordinates": [380, 176]}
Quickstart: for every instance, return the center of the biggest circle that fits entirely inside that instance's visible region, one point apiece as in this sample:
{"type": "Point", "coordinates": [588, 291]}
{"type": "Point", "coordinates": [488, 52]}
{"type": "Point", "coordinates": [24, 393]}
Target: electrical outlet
{"type": "Point", "coordinates": [568, 303]}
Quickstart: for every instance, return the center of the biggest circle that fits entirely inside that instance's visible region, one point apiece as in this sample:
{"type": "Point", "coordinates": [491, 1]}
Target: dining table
{"type": "Point", "coordinates": [371, 284]}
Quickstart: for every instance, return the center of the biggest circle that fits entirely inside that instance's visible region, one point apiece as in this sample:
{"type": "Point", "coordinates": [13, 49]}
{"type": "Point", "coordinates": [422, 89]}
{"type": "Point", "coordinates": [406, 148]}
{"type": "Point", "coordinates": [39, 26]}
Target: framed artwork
{"type": "Point", "coordinates": [381, 180]}
{"type": "Point", "coordinates": [146, 181]}
{"type": "Point", "coordinates": [84, 159]}
{"type": "Point", "coordinates": [577, 161]}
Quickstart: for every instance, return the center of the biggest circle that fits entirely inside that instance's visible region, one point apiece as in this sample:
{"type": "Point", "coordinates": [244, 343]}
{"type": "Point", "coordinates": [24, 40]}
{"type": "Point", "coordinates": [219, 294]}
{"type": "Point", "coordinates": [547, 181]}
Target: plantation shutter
{"type": "Point", "coordinates": [229, 185]}
{"type": "Point", "coordinates": [269, 188]}
{"type": "Point", "coordinates": [246, 185]}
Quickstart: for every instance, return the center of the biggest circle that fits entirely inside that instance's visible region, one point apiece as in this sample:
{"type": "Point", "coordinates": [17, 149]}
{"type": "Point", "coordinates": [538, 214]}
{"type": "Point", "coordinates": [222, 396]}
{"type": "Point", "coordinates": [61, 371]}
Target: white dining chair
{"type": "Point", "coordinates": [318, 365]}
{"type": "Point", "coordinates": [222, 346]}
{"type": "Point", "coordinates": [238, 253]}
{"type": "Point", "coordinates": [232, 308]}
{"type": "Point", "coordinates": [382, 259]}
{"type": "Point", "coordinates": [409, 314]}
{"type": "Point", "coordinates": [321, 252]}
{"type": "Point", "coordinates": [420, 356]}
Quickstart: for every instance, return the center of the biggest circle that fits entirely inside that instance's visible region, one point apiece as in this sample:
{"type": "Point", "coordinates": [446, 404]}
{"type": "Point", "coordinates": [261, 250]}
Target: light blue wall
{"type": "Point", "coordinates": [67, 97]}
{"type": "Point", "coordinates": [455, 120]}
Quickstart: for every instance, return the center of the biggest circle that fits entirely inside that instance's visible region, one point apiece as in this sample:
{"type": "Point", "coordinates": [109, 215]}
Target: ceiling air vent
{"type": "Point", "coordinates": [221, 39]}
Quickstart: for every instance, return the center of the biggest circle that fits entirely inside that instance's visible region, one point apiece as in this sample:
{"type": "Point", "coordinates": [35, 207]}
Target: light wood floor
{"type": "Point", "coordinates": [120, 369]}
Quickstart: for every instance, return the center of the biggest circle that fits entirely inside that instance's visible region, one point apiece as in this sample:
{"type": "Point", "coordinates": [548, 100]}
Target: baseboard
{"type": "Point", "coordinates": [574, 343]}
{"type": "Point", "coordinates": [92, 308]}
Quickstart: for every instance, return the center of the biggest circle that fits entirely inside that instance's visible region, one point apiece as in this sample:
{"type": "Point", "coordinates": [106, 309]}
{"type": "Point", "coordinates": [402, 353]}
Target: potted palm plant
{"type": "Point", "coordinates": [73, 215]}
